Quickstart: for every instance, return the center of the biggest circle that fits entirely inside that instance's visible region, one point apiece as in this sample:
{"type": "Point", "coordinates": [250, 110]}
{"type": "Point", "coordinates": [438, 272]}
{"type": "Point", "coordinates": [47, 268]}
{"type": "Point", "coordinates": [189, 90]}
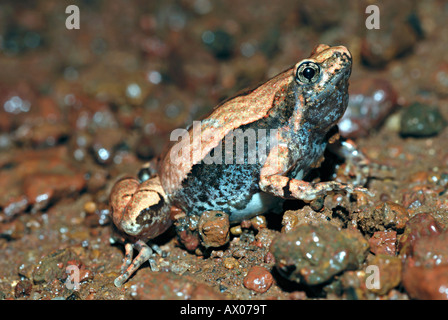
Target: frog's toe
{"type": "Point", "coordinates": [364, 190]}
{"type": "Point", "coordinates": [144, 254]}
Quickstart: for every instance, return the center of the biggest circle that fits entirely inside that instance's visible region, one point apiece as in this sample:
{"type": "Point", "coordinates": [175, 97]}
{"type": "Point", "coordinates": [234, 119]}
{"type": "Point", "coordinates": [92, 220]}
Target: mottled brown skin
{"type": "Point", "coordinates": [303, 104]}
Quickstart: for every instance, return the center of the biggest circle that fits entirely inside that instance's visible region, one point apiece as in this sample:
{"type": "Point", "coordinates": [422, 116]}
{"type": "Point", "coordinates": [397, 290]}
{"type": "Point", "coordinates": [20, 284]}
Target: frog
{"type": "Point", "coordinates": [300, 106]}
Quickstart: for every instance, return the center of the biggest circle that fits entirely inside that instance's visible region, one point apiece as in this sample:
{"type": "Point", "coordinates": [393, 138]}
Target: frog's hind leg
{"type": "Point", "coordinates": [130, 266]}
{"type": "Point", "coordinates": [140, 212]}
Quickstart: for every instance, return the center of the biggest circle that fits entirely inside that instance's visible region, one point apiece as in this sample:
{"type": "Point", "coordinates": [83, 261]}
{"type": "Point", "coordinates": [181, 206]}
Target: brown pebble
{"type": "Point", "coordinates": [389, 272]}
{"type": "Point", "coordinates": [239, 253]}
{"type": "Point", "coordinates": [297, 295]}
{"type": "Point", "coordinates": [23, 288]}
{"type": "Point", "coordinates": [269, 258]}
{"type": "Point", "coordinates": [258, 279]}
{"type": "Point", "coordinates": [214, 228]}
{"type": "Point", "coordinates": [90, 207]}
{"type": "Point", "coordinates": [383, 242]}
{"type": "Point", "coordinates": [246, 224]}
{"type": "Point", "coordinates": [259, 222]}
{"type": "Point", "coordinates": [425, 283]}
{"type": "Point", "coordinates": [395, 215]}
{"type": "Point", "coordinates": [230, 263]}
{"type": "Point", "coordinates": [317, 204]}
{"type": "Point", "coordinates": [236, 230]}
{"type": "Point", "coordinates": [421, 225]}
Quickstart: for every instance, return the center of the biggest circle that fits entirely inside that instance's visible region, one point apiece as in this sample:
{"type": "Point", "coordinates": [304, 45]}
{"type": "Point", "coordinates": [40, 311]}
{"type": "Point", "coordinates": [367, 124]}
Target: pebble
{"type": "Point", "coordinates": [384, 216]}
{"type": "Point", "coordinates": [291, 219]}
{"type": "Point", "coordinates": [371, 101]}
{"type": "Point", "coordinates": [90, 207]}
{"type": "Point", "coordinates": [52, 266]}
{"type": "Point", "coordinates": [389, 272]}
{"type": "Point", "coordinates": [236, 230]}
{"type": "Point", "coordinates": [23, 288]}
{"type": "Point", "coordinates": [259, 222]}
{"type": "Point", "coordinates": [169, 286]}
{"type": "Point", "coordinates": [37, 178]}
{"type": "Point", "coordinates": [426, 283]}
{"type": "Point", "coordinates": [431, 250]}
{"type": "Point", "coordinates": [420, 225]}
{"type": "Point", "coordinates": [383, 242]}
{"type": "Point", "coordinates": [315, 253]}
{"type": "Point", "coordinates": [258, 279]}
{"type": "Point", "coordinates": [396, 37]}
{"type": "Point", "coordinates": [230, 263]}
{"type": "Point", "coordinates": [214, 228]}
{"type": "Point", "coordinates": [421, 120]}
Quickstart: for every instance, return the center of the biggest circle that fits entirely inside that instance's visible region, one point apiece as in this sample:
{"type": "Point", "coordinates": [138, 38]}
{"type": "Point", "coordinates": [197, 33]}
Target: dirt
{"type": "Point", "coordinates": [82, 108]}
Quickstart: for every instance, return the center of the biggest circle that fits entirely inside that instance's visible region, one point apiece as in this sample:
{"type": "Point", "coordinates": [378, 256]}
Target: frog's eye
{"type": "Point", "coordinates": [308, 72]}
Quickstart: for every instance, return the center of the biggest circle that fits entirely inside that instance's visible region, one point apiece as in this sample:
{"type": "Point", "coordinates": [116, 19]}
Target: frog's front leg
{"type": "Point", "coordinates": [273, 179]}
{"type": "Point", "coordinates": [140, 212]}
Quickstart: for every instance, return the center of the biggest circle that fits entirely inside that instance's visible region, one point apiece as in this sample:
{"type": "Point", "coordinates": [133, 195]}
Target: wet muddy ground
{"type": "Point", "coordinates": [81, 108]}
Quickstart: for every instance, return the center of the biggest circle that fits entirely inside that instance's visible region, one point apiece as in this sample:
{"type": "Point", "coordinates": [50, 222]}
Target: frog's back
{"type": "Point", "coordinates": [244, 109]}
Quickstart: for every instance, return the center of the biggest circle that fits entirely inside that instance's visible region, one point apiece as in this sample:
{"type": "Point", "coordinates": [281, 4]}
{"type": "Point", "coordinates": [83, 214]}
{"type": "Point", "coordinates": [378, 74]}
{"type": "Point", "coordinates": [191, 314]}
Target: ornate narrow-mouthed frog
{"type": "Point", "coordinates": [293, 118]}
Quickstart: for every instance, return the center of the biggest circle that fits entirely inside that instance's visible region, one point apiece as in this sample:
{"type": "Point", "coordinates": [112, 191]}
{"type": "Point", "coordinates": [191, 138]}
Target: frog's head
{"type": "Point", "coordinates": [322, 83]}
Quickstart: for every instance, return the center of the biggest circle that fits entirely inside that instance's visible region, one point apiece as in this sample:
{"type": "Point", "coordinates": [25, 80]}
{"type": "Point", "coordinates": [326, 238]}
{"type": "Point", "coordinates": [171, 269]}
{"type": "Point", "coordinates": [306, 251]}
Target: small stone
{"type": "Point", "coordinates": [431, 250]}
{"type": "Point", "coordinates": [74, 296]}
{"type": "Point", "coordinates": [90, 207]}
{"type": "Point", "coordinates": [259, 222]}
{"type": "Point", "coordinates": [269, 258]}
{"type": "Point", "coordinates": [258, 279]}
{"type": "Point", "coordinates": [239, 253]}
{"type": "Point", "coordinates": [169, 286]}
{"type": "Point", "coordinates": [383, 242]}
{"type": "Point", "coordinates": [306, 215]}
{"type": "Point", "coordinates": [371, 101]}
{"type": "Point", "coordinates": [23, 288]}
{"type": "Point", "coordinates": [389, 273]}
{"type": "Point", "coordinates": [230, 263]}
{"type": "Point", "coordinates": [421, 225]}
{"type": "Point", "coordinates": [314, 254]}
{"type": "Point", "coordinates": [246, 224]}
{"type": "Point", "coordinates": [387, 215]}
{"type": "Point", "coordinates": [53, 266]}
{"type": "Point", "coordinates": [419, 120]}
{"type": "Point", "coordinates": [214, 228]}
{"type": "Point", "coordinates": [394, 215]}
{"type": "Point", "coordinates": [297, 295]}
{"type": "Point", "coordinates": [317, 204]}
{"type": "Point", "coordinates": [289, 221]}
{"type": "Point", "coordinates": [425, 283]}
{"type": "Point", "coordinates": [236, 230]}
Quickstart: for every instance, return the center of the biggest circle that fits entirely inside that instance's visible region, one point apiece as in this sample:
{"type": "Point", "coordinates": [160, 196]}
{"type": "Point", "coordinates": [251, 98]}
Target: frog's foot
{"type": "Point", "coordinates": [358, 165]}
{"type": "Point", "coordinates": [146, 253]}
{"type": "Point", "coordinates": [287, 188]}
{"type": "Point", "coordinates": [307, 191]}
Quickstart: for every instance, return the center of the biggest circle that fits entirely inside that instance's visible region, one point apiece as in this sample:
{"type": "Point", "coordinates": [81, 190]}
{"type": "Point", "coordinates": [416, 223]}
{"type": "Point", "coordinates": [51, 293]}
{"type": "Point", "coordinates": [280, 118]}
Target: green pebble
{"type": "Point", "coordinates": [419, 120]}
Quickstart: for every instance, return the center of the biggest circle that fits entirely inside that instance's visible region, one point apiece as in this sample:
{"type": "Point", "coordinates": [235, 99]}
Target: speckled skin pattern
{"type": "Point", "coordinates": [302, 104]}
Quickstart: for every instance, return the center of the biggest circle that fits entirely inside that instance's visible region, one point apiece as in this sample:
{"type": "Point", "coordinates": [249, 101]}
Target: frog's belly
{"type": "Point", "coordinates": [229, 188]}
{"type": "Point", "coordinates": [260, 203]}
